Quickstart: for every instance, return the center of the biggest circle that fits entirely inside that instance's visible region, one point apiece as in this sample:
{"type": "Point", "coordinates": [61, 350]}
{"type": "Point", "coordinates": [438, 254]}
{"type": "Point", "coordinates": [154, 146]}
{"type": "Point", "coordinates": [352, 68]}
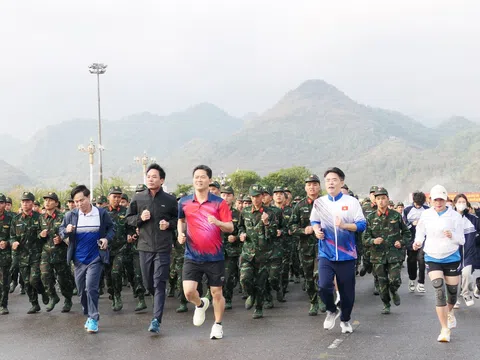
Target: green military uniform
{"type": "Point", "coordinates": [232, 251]}
{"type": "Point", "coordinates": [307, 248]}
{"type": "Point", "coordinates": [25, 230]}
{"type": "Point", "coordinates": [5, 258]}
{"type": "Point", "coordinates": [118, 251]}
{"type": "Point", "coordinates": [256, 252]}
{"type": "Point", "coordinates": [295, 269]}
{"type": "Point", "coordinates": [288, 245]}
{"type": "Point", "coordinates": [275, 266]}
{"type": "Point", "coordinates": [385, 257]}
{"type": "Point", "coordinates": [54, 260]}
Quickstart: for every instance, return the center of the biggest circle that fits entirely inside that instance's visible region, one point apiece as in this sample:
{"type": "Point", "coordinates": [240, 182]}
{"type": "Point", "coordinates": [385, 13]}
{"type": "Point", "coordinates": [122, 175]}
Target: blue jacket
{"type": "Point", "coordinates": [107, 231]}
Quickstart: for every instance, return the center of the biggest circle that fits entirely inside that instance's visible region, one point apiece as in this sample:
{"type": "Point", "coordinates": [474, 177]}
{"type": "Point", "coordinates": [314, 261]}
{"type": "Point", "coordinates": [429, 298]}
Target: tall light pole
{"type": "Point", "coordinates": [144, 160]}
{"type": "Point", "coordinates": [99, 69]}
{"type": "Point", "coordinates": [90, 149]}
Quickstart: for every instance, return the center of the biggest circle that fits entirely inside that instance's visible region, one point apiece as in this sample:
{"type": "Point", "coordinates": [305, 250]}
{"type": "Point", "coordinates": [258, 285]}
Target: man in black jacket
{"type": "Point", "coordinates": [154, 213]}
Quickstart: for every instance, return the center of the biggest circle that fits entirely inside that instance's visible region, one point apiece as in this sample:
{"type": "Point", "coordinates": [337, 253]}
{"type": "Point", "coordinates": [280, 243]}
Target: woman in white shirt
{"type": "Point", "coordinates": [440, 232]}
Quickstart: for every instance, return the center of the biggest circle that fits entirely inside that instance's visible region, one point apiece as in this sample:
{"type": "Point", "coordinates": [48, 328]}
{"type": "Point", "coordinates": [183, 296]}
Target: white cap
{"type": "Point", "coordinates": [438, 192]}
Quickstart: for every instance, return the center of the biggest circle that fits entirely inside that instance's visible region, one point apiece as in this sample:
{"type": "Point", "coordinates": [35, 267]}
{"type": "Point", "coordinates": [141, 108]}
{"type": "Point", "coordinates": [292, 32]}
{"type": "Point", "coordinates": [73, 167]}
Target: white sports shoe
{"type": "Point", "coordinates": [199, 315]}
{"type": "Point", "coordinates": [330, 319]}
{"type": "Point", "coordinates": [444, 336]}
{"type": "Point", "coordinates": [420, 288]}
{"type": "Point", "coordinates": [411, 286]}
{"type": "Point", "coordinates": [452, 321]}
{"type": "Point", "coordinates": [457, 305]}
{"type": "Point", "coordinates": [346, 327]}
{"type": "Point", "coordinates": [469, 300]}
{"type": "Point", "coordinates": [217, 331]}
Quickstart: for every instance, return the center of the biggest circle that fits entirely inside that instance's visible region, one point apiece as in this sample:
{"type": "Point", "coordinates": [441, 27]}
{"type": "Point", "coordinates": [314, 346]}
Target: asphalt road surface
{"type": "Point", "coordinates": [286, 332]}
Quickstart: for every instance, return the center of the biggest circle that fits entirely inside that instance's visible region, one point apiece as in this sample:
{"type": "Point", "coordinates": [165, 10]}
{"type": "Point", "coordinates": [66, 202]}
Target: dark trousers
{"type": "Point", "coordinates": [344, 271]}
{"type": "Point", "coordinates": [155, 271]}
{"type": "Point", "coordinates": [414, 257]}
{"type": "Point", "coordinates": [87, 278]}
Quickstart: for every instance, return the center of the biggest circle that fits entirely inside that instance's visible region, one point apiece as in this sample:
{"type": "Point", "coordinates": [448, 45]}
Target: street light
{"type": "Point", "coordinates": [223, 178]}
{"type": "Point", "coordinates": [90, 149]}
{"type": "Point", "coordinates": [144, 160]}
{"type": "Point", "coordinates": [99, 69]}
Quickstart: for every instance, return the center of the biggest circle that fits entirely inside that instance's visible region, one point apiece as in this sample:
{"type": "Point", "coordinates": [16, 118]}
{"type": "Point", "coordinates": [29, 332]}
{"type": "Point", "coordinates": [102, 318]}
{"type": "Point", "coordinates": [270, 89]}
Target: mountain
{"type": "Point", "coordinates": [11, 177]}
{"type": "Point", "coordinates": [315, 125]}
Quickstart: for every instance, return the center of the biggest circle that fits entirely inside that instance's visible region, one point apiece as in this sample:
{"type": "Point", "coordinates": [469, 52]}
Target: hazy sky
{"type": "Point", "coordinates": [419, 57]}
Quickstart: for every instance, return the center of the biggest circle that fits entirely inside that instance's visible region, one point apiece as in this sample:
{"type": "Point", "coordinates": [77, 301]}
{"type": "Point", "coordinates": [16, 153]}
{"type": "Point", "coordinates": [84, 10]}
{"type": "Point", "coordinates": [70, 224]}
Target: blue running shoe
{"type": "Point", "coordinates": [154, 326]}
{"type": "Point", "coordinates": [92, 326]}
{"type": "Point", "coordinates": [86, 324]}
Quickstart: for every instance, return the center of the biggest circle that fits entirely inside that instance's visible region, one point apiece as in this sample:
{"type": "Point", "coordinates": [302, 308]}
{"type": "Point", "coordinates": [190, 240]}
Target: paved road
{"type": "Point", "coordinates": [286, 332]}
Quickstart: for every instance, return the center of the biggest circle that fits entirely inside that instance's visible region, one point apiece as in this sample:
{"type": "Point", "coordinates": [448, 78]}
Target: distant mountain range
{"type": "Point", "coordinates": [314, 125]}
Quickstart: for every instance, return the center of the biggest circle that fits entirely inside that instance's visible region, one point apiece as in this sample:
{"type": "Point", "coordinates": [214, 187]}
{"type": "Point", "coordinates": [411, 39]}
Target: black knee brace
{"type": "Point", "coordinates": [439, 286]}
{"type": "Point", "coordinates": [452, 294]}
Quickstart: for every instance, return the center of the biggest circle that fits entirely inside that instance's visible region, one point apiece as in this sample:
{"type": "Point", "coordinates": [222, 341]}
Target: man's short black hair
{"type": "Point", "coordinates": [203, 167]}
{"type": "Point", "coordinates": [335, 170]}
{"type": "Point", "coordinates": [419, 198]}
{"type": "Point", "coordinates": [157, 167]}
{"type": "Point", "coordinates": [80, 188]}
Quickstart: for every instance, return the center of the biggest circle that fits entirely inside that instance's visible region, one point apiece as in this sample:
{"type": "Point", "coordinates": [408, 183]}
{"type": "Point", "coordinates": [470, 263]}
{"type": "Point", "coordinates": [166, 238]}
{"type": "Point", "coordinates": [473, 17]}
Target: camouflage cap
{"type": "Point", "coordinates": [27, 196]}
{"type": "Point", "coordinates": [3, 198]}
{"type": "Point", "coordinates": [140, 187]}
{"type": "Point", "coordinates": [278, 189]}
{"type": "Point", "coordinates": [400, 204]}
{"type": "Point", "coordinates": [70, 200]}
{"type": "Point", "coordinates": [255, 190]}
{"type": "Point", "coordinates": [267, 190]}
{"type": "Point", "coordinates": [391, 203]}
{"type": "Point", "coordinates": [373, 188]}
{"type": "Point", "coordinates": [8, 200]}
{"type": "Point", "coordinates": [312, 178]}
{"type": "Point", "coordinates": [51, 195]}
{"type": "Point", "coordinates": [215, 183]}
{"type": "Point", "coordinates": [102, 199]}
{"type": "Point", "coordinates": [124, 196]}
{"type": "Point", "coordinates": [297, 198]}
{"type": "Point", "coordinates": [247, 198]}
{"type": "Point", "coordinates": [381, 191]}
{"type": "Point", "coordinates": [287, 189]}
{"type": "Point", "coordinates": [36, 203]}
{"type": "Point", "coordinates": [115, 190]}
{"type": "Point", "coordinates": [240, 197]}
{"type": "Point", "coordinates": [227, 190]}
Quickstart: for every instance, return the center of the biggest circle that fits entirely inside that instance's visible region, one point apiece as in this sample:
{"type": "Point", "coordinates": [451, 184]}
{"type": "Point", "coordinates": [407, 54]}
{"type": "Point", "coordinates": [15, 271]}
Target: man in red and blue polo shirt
{"type": "Point", "coordinates": [202, 217]}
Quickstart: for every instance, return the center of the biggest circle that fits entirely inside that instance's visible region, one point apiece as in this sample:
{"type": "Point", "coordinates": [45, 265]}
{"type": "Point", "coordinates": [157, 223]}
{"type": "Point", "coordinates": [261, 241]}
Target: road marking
{"type": "Point", "coordinates": [326, 355]}
{"type": "Point", "coordinates": [336, 343]}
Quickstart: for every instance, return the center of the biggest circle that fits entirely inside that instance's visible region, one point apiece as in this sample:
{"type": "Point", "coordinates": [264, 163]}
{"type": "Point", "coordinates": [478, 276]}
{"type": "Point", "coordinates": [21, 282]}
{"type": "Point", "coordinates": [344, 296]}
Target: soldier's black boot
{"type": "Point", "coordinates": [54, 300]}
{"type": "Point", "coordinates": [118, 302]}
{"type": "Point", "coordinates": [67, 305]}
{"type": "Point", "coordinates": [141, 303]}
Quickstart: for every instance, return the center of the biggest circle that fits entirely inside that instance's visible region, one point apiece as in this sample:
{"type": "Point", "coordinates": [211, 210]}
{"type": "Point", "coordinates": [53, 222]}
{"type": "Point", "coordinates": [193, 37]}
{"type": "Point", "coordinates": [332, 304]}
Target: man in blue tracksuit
{"type": "Point", "coordinates": [335, 219]}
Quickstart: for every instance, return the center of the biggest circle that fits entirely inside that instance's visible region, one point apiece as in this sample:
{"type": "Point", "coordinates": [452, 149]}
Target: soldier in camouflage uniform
{"type": "Point", "coordinates": [307, 242]}
{"type": "Point", "coordinates": [14, 272]}
{"type": "Point", "coordinates": [386, 236]}
{"type": "Point", "coordinates": [232, 248]}
{"type": "Point", "coordinates": [118, 248]}
{"type": "Point", "coordinates": [54, 255]}
{"type": "Point", "coordinates": [369, 207]}
{"type": "Point", "coordinates": [288, 241]}
{"type": "Point", "coordinates": [275, 267]}
{"type": "Point", "coordinates": [5, 255]}
{"type": "Point", "coordinates": [257, 228]}
{"type": "Point", "coordinates": [27, 250]}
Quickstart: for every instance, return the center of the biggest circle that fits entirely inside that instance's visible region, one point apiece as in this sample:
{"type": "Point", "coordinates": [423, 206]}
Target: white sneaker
{"type": "Point", "coordinates": [452, 321]}
{"type": "Point", "coordinates": [217, 331]}
{"type": "Point", "coordinates": [444, 336]}
{"type": "Point", "coordinates": [476, 293]}
{"type": "Point", "coordinates": [346, 327]}
{"type": "Point", "coordinates": [330, 319]}
{"type": "Point", "coordinates": [457, 305]}
{"type": "Point", "coordinates": [199, 315]}
{"type": "Point", "coordinates": [420, 288]}
{"type": "Point", "coordinates": [469, 300]}
{"type": "Point", "coordinates": [411, 286]}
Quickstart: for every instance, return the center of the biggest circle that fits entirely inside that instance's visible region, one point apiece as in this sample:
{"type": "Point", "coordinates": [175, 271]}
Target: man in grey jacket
{"type": "Point", "coordinates": [154, 213]}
